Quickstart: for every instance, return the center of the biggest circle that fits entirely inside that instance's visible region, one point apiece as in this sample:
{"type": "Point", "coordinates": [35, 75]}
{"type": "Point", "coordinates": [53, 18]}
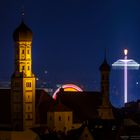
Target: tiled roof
{"type": "Point", "coordinates": [57, 106]}
{"type": "Point", "coordinates": [84, 104]}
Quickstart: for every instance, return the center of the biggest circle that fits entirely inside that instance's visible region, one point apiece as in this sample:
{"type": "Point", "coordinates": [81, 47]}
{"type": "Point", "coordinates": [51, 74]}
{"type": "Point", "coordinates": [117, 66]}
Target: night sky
{"type": "Point", "coordinates": [69, 39]}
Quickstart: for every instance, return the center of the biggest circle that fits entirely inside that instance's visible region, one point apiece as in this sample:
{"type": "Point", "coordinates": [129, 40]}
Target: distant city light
{"type": "Point", "coordinates": [126, 64]}
{"type": "Point", "coordinates": [45, 71]}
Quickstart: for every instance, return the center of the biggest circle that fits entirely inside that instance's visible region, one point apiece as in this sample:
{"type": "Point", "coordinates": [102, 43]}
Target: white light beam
{"type": "Point", "coordinates": [126, 64]}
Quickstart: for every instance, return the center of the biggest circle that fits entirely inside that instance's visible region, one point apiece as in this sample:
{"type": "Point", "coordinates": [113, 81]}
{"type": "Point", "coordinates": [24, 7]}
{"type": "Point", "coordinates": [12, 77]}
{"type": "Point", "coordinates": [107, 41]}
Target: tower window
{"type": "Point", "coordinates": [28, 84]}
{"type": "Point", "coordinates": [59, 118]}
{"type": "Point", "coordinates": [22, 67]}
{"type": "Point", "coordinates": [22, 51]}
{"type": "Point", "coordinates": [28, 116]}
{"type": "Point", "coordinates": [68, 118]}
{"type": "Point", "coordinates": [28, 67]}
{"type": "Point", "coordinates": [28, 107]}
{"type": "Point", "coordinates": [28, 51]}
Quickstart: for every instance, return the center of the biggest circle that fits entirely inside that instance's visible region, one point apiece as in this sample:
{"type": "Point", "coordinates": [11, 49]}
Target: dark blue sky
{"type": "Point", "coordinates": [69, 39]}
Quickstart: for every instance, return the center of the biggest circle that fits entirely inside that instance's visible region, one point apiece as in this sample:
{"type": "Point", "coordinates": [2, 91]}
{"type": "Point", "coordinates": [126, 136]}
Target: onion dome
{"type": "Point", "coordinates": [22, 33]}
{"type": "Point", "coordinates": [105, 66]}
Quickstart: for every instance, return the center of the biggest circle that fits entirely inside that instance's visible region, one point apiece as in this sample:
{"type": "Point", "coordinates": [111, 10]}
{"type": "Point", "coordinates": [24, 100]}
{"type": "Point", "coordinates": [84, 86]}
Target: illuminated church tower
{"type": "Point", "coordinates": [105, 110]}
{"type": "Point", "coordinates": [23, 81]}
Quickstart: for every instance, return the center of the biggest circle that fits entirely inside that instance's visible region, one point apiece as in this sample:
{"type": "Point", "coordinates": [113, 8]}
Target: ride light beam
{"type": "Point", "coordinates": [125, 64]}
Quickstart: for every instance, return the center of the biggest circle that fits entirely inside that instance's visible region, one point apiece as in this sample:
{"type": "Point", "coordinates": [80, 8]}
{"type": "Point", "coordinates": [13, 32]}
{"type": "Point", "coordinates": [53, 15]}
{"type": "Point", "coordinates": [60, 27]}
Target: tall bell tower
{"type": "Point", "coordinates": [23, 81]}
{"type": "Point", "coordinates": [105, 110]}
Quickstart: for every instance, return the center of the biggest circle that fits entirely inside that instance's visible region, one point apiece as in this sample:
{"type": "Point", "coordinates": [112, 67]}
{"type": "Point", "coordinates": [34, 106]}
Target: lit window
{"type": "Point", "coordinates": [96, 126]}
{"type": "Point", "coordinates": [113, 127]}
{"type": "Point", "coordinates": [100, 126]}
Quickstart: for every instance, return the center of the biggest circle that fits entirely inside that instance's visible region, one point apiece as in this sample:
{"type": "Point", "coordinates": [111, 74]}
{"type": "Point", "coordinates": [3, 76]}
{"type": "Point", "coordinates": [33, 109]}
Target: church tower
{"type": "Point", "coordinates": [105, 110]}
{"type": "Point", "coordinates": [23, 81]}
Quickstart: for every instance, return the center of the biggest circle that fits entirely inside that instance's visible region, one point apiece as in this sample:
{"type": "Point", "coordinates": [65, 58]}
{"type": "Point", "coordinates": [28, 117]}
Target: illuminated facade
{"type": "Point", "coordinates": [60, 118]}
{"type": "Point", "coordinates": [23, 81]}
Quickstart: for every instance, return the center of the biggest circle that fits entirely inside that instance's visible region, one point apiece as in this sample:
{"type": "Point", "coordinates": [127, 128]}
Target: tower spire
{"type": "Point", "coordinates": [22, 13]}
{"type": "Point", "coordinates": [105, 110]}
{"type": "Point", "coordinates": [105, 55]}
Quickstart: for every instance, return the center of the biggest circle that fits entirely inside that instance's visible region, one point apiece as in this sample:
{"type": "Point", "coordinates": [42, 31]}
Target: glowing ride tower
{"type": "Point", "coordinates": [125, 64]}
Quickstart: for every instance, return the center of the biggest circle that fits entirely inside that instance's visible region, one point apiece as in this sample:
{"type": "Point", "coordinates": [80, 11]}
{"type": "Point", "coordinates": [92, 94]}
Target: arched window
{"type": "Point", "coordinates": [28, 67]}
{"type": "Point", "coordinates": [22, 51]}
{"type": "Point", "coordinates": [28, 51]}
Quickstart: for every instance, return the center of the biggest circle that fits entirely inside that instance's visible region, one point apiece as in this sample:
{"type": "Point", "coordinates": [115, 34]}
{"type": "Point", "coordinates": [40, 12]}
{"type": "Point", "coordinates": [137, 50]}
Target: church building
{"type": "Point", "coordinates": [24, 102]}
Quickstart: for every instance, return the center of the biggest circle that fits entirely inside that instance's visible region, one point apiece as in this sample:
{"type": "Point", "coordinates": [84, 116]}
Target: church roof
{"type": "Point", "coordinates": [57, 106]}
{"type": "Point", "coordinates": [84, 104]}
{"type": "Point", "coordinates": [97, 130]}
{"type": "Point", "coordinates": [22, 33]}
